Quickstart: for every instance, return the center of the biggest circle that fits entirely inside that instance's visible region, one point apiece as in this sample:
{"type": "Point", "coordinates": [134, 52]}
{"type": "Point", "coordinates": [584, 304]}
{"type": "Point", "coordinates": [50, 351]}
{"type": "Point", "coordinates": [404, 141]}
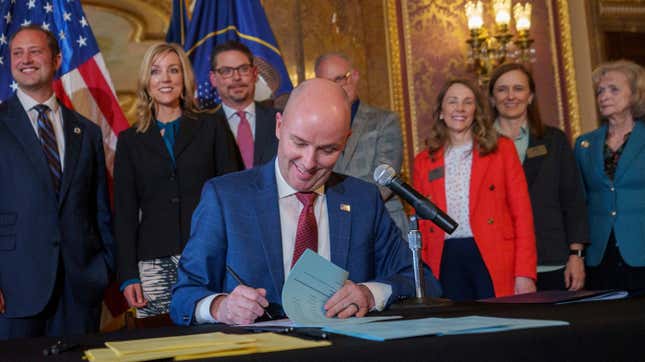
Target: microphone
{"type": "Point", "coordinates": [385, 175]}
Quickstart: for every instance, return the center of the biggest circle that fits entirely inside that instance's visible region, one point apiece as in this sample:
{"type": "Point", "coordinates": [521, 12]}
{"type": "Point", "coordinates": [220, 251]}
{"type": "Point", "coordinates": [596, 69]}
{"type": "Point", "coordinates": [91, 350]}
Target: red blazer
{"type": "Point", "coordinates": [500, 213]}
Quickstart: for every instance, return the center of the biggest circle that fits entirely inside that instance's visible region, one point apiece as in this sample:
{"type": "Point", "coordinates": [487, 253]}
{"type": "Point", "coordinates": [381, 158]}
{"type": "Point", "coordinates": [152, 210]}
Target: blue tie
{"type": "Point", "coordinates": [50, 146]}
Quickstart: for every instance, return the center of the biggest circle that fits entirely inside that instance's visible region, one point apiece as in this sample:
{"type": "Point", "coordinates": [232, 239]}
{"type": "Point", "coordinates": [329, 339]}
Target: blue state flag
{"type": "Point", "coordinates": [178, 23]}
{"type": "Point", "coordinates": [215, 22]}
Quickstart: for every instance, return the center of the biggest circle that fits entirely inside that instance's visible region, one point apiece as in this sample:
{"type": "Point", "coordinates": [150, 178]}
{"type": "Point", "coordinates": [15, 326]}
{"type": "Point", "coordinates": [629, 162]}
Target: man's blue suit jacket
{"type": "Point", "coordinates": [38, 231]}
{"type": "Point", "coordinates": [617, 205]}
{"type": "Point", "coordinates": [237, 223]}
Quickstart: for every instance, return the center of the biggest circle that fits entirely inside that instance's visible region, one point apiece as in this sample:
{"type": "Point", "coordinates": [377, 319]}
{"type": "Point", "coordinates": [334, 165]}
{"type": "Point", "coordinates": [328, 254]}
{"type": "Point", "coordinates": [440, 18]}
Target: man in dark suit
{"type": "Point", "coordinates": [56, 247]}
{"type": "Point", "coordinates": [260, 221]}
{"type": "Point", "coordinates": [234, 74]}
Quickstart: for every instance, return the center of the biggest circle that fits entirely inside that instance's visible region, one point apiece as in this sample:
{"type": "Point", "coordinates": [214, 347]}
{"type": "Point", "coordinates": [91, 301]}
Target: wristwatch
{"type": "Point", "coordinates": [578, 252]}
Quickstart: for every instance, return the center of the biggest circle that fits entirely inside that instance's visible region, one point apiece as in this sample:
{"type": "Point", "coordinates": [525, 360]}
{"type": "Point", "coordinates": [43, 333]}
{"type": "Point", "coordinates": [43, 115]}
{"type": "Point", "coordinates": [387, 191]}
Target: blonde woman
{"type": "Point", "coordinates": [161, 164]}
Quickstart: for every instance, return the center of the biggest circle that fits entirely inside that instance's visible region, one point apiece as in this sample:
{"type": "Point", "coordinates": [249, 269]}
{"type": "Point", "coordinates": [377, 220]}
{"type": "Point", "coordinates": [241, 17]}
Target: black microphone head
{"type": "Point", "coordinates": [384, 174]}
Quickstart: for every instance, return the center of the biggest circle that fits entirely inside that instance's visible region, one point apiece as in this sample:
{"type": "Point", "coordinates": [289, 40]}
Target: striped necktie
{"type": "Point", "coordinates": [50, 146]}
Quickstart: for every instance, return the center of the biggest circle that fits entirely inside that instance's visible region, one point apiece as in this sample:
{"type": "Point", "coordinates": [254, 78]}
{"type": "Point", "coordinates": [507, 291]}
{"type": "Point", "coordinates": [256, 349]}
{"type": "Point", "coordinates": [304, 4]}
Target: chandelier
{"type": "Point", "coordinates": [488, 51]}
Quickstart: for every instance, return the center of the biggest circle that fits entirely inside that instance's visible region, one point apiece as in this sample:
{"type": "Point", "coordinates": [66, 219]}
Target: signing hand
{"type": "Point", "coordinates": [524, 285]}
{"type": "Point", "coordinates": [574, 273]}
{"type": "Point", "coordinates": [351, 300]}
{"type": "Point", "coordinates": [133, 293]}
{"type": "Point", "coordinates": [244, 305]}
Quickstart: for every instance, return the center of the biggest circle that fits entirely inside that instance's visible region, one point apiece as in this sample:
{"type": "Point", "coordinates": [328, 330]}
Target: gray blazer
{"type": "Point", "coordinates": [375, 139]}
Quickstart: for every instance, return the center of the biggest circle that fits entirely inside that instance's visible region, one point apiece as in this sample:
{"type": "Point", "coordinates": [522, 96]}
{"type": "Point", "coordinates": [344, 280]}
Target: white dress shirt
{"type": "Point", "coordinates": [290, 208]}
{"type": "Point", "coordinates": [234, 120]}
{"type": "Point", "coordinates": [55, 116]}
{"type": "Point", "coordinates": [458, 162]}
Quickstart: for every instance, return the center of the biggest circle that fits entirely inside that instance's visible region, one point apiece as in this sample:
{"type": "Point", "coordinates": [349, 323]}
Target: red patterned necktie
{"type": "Point", "coordinates": [307, 232]}
{"type": "Point", "coordinates": [245, 139]}
{"type": "Point", "coordinates": [50, 146]}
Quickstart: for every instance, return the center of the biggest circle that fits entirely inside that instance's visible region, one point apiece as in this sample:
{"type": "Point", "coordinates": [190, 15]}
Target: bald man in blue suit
{"type": "Point", "coordinates": [247, 220]}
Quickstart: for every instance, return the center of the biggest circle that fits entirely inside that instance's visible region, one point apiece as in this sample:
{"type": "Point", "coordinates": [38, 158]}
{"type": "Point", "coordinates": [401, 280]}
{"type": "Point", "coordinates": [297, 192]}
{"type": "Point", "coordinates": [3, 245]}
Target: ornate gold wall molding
{"type": "Point", "coordinates": [629, 9]}
{"type": "Point", "coordinates": [556, 61]}
{"type": "Point", "coordinates": [410, 76]}
{"type": "Point", "coordinates": [394, 59]}
{"type": "Point", "coordinates": [395, 76]}
{"type": "Point", "coordinates": [573, 106]}
{"type": "Point", "coordinates": [149, 18]}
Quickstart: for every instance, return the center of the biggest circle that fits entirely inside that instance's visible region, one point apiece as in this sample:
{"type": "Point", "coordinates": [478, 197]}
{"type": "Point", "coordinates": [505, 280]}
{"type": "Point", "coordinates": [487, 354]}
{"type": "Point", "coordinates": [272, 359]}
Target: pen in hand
{"type": "Point", "coordinates": [241, 282]}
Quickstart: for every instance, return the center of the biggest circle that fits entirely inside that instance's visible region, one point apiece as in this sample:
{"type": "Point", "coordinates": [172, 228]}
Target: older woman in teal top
{"type": "Point", "coordinates": [612, 162]}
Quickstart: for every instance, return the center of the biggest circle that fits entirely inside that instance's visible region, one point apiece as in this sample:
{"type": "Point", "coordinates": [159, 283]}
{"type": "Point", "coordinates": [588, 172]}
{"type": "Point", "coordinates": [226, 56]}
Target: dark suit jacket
{"type": "Point", "coordinates": [38, 232]}
{"type": "Point", "coordinates": [265, 144]}
{"type": "Point", "coordinates": [557, 197]}
{"type": "Point", "coordinates": [153, 202]}
{"type": "Point", "coordinates": [237, 223]}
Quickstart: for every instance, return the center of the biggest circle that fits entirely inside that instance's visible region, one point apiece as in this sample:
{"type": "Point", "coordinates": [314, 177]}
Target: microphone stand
{"type": "Point", "coordinates": [414, 243]}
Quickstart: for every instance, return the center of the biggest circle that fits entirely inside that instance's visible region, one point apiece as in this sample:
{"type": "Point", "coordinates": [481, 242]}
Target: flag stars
{"type": "Point", "coordinates": [3, 39]}
{"type": "Point", "coordinates": [67, 16]}
{"type": "Point", "coordinates": [7, 18]}
{"type": "Point", "coordinates": [14, 86]}
{"type": "Point", "coordinates": [61, 35]}
{"type": "Point", "coordinates": [48, 8]}
{"type": "Point", "coordinates": [45, 26]}
{"type": "Point", "coordinates": [1, 60]}
{"type": "Point", "coordinates": [83, 22]}
{"type": "Point", "coordinates": [26, 22]}
{"type": "Point", "coordinates": [31, 4]}
{"type": "Point", "coordinates": [81, 41]}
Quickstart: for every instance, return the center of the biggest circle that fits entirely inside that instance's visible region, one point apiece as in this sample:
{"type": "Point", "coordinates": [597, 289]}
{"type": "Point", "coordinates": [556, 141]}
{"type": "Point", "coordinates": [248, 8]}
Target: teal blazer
{"type": "Point", "coordinates": [617, 205]}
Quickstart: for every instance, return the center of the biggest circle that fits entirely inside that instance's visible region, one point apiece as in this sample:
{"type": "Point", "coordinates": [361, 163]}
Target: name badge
{"type": "Point", "coordinates": [435, 174]}
{"type": "Point", "coordinates": [536, 151]}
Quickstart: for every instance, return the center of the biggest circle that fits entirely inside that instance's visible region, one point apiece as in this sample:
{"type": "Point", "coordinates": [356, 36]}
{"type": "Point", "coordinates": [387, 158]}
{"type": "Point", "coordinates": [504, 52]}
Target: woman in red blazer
{"type": "Point", "coordinates": [478, 179]}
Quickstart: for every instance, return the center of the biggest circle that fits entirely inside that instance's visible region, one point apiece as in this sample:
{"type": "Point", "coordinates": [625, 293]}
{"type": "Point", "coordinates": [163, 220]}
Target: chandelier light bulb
{"type": "Point", "coordinates": [475, 14]}
{"type": "Point", "coordinates": [502, 9]}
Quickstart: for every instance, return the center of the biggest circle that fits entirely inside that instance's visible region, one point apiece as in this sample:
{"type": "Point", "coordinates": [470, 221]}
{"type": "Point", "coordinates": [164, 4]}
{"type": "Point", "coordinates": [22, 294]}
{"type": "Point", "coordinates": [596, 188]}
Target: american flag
{"type": "Point", "coordinates": [82, 82]}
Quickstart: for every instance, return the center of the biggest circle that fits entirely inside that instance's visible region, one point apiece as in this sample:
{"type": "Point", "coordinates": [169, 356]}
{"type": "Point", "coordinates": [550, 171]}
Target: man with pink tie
{"type": "Point", "coordinates": [233, 74]}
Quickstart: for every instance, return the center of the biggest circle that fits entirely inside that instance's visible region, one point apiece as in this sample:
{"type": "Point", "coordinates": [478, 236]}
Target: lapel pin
{"type": "Point", "coordinates": [345, 207]}
{"type": "Point", "coordinates": [77, 130]}
{"type": "Point", "coordinates": [584, 144]}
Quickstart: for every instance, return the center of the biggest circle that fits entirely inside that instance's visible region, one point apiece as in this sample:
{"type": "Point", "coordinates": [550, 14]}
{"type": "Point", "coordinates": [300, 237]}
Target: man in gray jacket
{"type": "Point", "coordinates": [376, 133]}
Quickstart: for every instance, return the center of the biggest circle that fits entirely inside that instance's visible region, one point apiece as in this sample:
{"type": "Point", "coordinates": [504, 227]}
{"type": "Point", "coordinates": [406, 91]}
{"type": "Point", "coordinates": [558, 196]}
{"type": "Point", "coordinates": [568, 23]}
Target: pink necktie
{"type": "Point", "coordinates": [307, 232]}
{"type": "Point", "coordinates": [245, 139]}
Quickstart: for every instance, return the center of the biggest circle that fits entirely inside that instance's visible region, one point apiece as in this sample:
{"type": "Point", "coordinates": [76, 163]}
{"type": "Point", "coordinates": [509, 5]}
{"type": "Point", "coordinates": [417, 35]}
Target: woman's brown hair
{"type": "Point", "coordinates": [484, 134]}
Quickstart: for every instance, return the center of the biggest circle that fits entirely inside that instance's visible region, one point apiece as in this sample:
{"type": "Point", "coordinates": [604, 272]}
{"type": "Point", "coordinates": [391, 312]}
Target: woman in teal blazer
{"type": "Point", "coordinates": [612, 162]}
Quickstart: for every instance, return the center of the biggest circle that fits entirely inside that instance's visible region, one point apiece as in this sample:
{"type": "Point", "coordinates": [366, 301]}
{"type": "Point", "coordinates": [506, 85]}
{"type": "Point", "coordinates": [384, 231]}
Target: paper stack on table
{"type": "Point", "coordinates": [193, 346]}
{"type": "Point", "coordinates": [439, 326]}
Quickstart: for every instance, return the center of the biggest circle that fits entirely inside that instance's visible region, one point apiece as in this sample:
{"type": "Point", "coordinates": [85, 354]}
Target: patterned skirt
{"type": "Point", "coordinates": [157, 279]}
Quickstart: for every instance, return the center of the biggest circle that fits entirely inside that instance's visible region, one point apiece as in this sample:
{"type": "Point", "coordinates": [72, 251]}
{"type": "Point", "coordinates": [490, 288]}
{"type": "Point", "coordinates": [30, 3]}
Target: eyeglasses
{"type": "Point", "coordinates": [342, 79]}
{"type": "Point", "coordinates": [227, 72]}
